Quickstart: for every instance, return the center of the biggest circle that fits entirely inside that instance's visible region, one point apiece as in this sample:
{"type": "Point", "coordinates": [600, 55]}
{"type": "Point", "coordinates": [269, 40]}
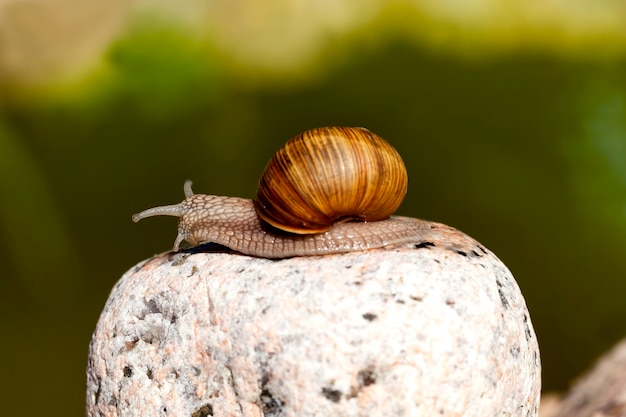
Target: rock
{"type": "Point", "coordinates": [600, 392]}
{"type": "Point", "coordinates": [436, 328]}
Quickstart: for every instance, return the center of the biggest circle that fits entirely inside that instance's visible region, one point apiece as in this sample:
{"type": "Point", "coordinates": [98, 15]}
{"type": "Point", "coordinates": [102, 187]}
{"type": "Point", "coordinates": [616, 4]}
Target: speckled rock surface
{"type": "Point", "coordinates": [428, 329]}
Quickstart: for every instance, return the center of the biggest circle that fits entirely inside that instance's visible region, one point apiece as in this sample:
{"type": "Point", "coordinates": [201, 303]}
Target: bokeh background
{"type": "Point", "coordinates": [510, 116]}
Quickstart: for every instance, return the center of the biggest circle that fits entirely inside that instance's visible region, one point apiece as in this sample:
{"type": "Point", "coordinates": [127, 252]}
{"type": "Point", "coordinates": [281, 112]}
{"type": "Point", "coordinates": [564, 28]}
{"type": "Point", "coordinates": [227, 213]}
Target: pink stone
{"type": "Point", "coordinates": [429, 329]}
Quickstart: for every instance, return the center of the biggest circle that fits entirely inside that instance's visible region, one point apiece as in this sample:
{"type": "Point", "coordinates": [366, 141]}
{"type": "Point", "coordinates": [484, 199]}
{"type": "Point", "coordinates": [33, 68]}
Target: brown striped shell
{"type": "Point", "coordinates": [328, 175]}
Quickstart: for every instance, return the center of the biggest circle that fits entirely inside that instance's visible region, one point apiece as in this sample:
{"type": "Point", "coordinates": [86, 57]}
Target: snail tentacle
{"type": "Point", "coordinates": [175, 210]}
{"type": "Point", "coordinates": [187, 188]}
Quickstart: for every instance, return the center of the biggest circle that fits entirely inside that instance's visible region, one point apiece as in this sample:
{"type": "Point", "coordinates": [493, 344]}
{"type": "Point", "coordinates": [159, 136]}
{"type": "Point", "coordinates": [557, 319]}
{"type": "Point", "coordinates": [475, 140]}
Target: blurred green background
{"type": "Point", "coordinates": [511, 118]}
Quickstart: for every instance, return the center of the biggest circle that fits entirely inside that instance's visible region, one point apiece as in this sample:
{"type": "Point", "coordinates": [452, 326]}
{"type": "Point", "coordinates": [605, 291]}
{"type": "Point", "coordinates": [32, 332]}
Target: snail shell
{"type": "Point", "coordinates": [312, 186]}
{"type": "Point", "coordinates": [331, 174]}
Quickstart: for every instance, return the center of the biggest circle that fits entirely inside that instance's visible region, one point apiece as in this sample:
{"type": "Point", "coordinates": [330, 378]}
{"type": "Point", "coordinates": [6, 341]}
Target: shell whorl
{"type": "Point", "coordinates": [331, 174]}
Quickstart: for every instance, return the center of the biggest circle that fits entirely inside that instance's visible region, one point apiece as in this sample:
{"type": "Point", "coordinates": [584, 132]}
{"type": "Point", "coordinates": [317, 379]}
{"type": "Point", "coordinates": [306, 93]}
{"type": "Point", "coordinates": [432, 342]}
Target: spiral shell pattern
{"type": "Point", "coordinates": [329, 175]}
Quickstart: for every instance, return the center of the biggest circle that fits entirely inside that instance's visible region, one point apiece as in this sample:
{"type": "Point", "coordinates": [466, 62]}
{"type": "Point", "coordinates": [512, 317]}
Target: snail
{"type": "Point", "coordinates": [327, 190]}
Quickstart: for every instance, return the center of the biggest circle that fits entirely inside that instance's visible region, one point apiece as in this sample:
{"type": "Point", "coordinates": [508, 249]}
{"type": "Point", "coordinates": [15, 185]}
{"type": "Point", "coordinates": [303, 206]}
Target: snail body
{"type": "Point", "coordinates": [309, 191]}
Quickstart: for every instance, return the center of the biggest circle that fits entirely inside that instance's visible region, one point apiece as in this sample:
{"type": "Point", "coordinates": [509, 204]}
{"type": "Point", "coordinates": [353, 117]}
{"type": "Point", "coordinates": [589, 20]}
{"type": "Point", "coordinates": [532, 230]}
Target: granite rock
{"type": "Point", "coordinates": [427, 329]}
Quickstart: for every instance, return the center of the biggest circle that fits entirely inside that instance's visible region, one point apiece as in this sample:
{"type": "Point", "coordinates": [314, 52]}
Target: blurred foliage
{"type": "Point", "coordinates": [524, 149]}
